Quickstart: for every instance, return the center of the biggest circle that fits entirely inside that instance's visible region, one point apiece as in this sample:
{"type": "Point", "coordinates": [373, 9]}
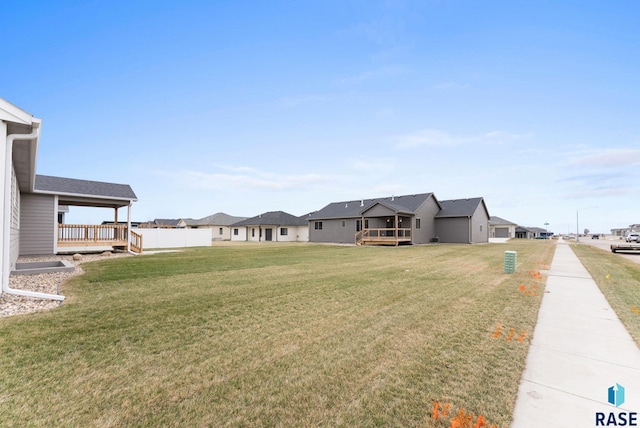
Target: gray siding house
{"type": "Point", "coordinates": [399, 220]}
{"type": "Point", "coordinates": [31, 203]}
{"type": "Point", "coordinates": [463, 221]}
{"type": "Point", "coordinates": [394, 220]}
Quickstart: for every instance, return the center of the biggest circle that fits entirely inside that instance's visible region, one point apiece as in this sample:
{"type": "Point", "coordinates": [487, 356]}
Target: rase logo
{"type": "Point", "coordinates": [615, 397]}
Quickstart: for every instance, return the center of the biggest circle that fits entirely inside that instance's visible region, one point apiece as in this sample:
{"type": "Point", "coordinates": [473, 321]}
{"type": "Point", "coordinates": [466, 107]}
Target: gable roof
{"type": "Point", "coordinates": [349, 209]}
{"type": "Point", "coordinates": [273, 218]}
{"type": "Point", "coordinates": [460, 207]}
{"type": "Point", "coordinates": [71, 187]}
{"type": "Point", "coordinates": [217, 219]}
{"type": "Point", "coordinates": [12, 113]}
{"type": "Point", "coordinates": [497, 220]}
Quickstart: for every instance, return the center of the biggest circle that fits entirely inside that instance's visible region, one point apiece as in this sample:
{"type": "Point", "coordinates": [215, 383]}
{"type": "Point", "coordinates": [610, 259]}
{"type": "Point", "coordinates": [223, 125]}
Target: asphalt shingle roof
{"type": "Point", "coordinates": [349, 209]}
{"type": "Point", "coordinates": [72, 186]}
{"type": "Point", "coordinates": [273, 218]}
{"type": "Point", "coordinates": [218, 219]}
{"type": "Point", "coordinates": [459, 207]}
{"type": "Point", "coordinates": [498, 220]}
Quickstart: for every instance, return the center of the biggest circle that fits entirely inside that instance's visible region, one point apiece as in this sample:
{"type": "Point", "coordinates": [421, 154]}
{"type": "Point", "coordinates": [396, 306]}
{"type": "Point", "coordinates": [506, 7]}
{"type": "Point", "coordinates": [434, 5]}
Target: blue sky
{"type": "Point", "coordinates": [245, 107]}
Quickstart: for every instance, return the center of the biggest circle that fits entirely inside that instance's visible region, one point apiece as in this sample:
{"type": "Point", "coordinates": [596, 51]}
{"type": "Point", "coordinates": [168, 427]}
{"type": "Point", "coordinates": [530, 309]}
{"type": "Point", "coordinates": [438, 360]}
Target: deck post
{"type": "Point", "coordinates": [397, 231]}
{"type": "Point", "coordinates": [115, 229]}
{"type": "Point", "coordinates": [128, 232]}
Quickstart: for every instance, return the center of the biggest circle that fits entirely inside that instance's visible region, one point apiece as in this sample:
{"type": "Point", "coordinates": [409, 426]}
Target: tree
{"type": "Point", "coordinates": [586, 231]}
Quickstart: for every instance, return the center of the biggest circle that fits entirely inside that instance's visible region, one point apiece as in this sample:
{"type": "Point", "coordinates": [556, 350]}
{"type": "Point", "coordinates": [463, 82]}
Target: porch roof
{"type": "Point", "coordinates": [72, 191]}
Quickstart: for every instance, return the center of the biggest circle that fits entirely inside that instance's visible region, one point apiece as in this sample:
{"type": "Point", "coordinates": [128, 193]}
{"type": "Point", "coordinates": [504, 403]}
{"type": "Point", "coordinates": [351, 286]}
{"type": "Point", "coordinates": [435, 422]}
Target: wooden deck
{"type": "Point", "coordinates": [383, 236]}
{"type": "Point", "coordinates": [93, 235]}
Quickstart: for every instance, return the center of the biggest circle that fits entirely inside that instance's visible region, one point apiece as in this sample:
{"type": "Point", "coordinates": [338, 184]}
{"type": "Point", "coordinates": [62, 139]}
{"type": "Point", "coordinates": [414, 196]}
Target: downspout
{"type": "Point", "coordinates": [6, 227]}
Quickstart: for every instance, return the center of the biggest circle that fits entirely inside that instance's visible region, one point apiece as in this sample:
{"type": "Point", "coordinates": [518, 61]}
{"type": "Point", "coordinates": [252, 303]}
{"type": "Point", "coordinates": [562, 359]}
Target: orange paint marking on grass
{"type": "Point", "coordinates": [445, 409]}
{"type": "Point", "coordinates": [496, 333]}
{"type": "Point", "coordinates": [522, 335]}
{"type": "Point", "coordinates": [510, 336]}
{"type": "Point", "coordinates": [435, 409]}
{"type": "Point", "coordinates": [481, 422]}
{"type": "Point", "coordinates": [462, 419]}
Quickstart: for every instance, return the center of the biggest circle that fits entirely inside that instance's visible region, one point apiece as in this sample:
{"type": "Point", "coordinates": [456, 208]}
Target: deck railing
{"type": "Point", "coordinates": [383, 235]}
{"type": "Point", "coordinates": [86, 235]}
{"type": "Point", "coordinates": [136, 242]}
{"type": "Point", "coordinates": [102, 233]}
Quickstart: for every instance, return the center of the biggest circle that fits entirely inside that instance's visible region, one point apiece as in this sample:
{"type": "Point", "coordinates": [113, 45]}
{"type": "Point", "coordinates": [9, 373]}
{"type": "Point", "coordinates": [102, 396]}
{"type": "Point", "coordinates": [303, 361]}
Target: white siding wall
{"type": "Point", "coordinates": [294, 234]}
{"type": "Point", "coordinates": [242, 233]}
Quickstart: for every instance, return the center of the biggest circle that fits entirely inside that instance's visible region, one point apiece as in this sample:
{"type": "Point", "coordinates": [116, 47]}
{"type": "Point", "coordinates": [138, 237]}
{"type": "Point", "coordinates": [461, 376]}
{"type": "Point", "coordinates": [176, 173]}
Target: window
{"type": "Point", "coordinates": [318, 225]}
{"type": "Point", "coordinates": [253, 233]}
{"type": "Point", "coordinates": [235, 232]}
{"type": "Point", "coordinates": [220, 233]}
{"type": "Point", "coordinates": [344, 223]}
{"type": "Point", "coordinates": [359, 225]}
{"type": "Point", "coordinates": [417, 223]}
{"type": "Point", "coordinates": [480, 228]}
{"type": "Point", "coordinates": [284, 231]}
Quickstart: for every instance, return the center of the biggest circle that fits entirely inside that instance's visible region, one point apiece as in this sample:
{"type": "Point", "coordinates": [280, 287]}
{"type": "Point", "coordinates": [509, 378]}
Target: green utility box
{"type": "Point", "coordinates": [510, 258]}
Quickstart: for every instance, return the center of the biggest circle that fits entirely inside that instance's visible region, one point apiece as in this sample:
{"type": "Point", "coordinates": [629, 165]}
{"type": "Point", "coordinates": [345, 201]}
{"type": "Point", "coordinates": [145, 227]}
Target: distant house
{"type": "Point", "coordinates": [524, 233]}
{"type": "Point", "coordinates": [463, 221]}
{"type": "Point", "coordinates": [34, 206]}
{"type": "Point", "coordinates": [501, 228]}
{"type": "Point", "coordinates": [167, 223]}
{"type": "Point", "coordinates": [392, 220]}
{"type": "Point", "coordinates": [271, 226]}
{"type": "Point", "coordinates": [538, 232]}
{"type": "Point", "coordinates": [398, 220]}
{"type": "Point", "coordinates": [219, 223]}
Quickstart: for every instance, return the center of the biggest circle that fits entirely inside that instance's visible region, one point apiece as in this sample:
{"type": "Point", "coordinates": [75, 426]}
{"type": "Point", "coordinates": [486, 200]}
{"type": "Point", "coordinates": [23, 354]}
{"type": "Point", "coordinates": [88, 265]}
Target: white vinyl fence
{"type": "Point", "coordinates": [174, 238]}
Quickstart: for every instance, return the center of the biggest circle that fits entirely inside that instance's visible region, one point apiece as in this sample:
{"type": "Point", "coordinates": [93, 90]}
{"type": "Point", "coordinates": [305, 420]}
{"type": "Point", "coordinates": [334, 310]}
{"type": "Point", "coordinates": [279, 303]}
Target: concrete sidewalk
{"type": "Point", "coordinates": [578, 351]}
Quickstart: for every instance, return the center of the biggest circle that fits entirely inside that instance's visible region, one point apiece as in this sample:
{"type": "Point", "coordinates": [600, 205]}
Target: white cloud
{"type": "Point", "coordinates": [610, 158]}
{"type": "Point", "coordinates": [380, 165]}
{"type": "Point", "coordinates": [247, 178]}
{"type": "Point", "coordinates": [435, 137]}
{"type": "Point", "coordinates": [380, 73]}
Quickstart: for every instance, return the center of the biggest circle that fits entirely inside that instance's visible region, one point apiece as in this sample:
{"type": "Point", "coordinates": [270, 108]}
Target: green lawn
{"type": "Point", "coordinates": [277, 335]}
{"type": "Point", "coordinates": [619, 281]}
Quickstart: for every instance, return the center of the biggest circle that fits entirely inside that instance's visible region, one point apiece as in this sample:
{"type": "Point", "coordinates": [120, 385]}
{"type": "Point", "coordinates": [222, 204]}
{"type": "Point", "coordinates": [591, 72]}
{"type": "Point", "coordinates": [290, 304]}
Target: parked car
{"type": "Point", "coordinates": [595, 236]}
{"type": "Point", "coordinates": [633, 237]}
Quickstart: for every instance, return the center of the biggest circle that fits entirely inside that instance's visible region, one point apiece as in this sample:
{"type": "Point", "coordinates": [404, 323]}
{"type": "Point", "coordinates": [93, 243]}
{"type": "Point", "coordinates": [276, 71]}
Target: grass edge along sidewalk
{"type": "Point", "coordinates": [279, 335]}
{"type": "Point", "coordinates": [619, 281]}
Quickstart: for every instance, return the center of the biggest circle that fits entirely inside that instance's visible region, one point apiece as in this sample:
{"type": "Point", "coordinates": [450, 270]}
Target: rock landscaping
{"type": "Point", "coordinates": [44, 283]}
